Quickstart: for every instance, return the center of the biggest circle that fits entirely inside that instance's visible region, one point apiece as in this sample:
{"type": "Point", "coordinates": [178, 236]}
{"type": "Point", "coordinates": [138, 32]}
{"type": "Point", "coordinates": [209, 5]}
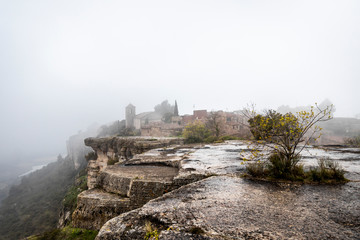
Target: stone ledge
{"type": "Point", "coordinates": [95, 207]}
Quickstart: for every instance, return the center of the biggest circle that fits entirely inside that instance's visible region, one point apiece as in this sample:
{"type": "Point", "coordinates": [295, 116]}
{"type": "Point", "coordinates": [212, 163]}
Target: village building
{"type": "Point", "coordinates": [198, 115]}
{"type": "Point", "coordinates": [154, 124]}
{"type": "Point", "coordinates": [145, 119]}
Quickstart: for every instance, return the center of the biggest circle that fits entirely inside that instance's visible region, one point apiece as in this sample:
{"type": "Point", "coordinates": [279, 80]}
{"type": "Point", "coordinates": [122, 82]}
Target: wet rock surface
{"type": "Point", "coordinates": [224, 206]}
{"type": "Point", "coordinates": [121, 189]}
{"type": "Point", "coordinates": [120, 179]}
{"type": "Point", "coordinates": [129, 184]}
{"type": "Point", "coordinates": [120, 149]}
{"type": "Point", "coordinates": [127, 147]}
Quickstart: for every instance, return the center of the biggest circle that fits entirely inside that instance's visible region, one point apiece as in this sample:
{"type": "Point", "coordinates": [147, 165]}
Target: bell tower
{"type": "Point", "coordinates": [130, 115]}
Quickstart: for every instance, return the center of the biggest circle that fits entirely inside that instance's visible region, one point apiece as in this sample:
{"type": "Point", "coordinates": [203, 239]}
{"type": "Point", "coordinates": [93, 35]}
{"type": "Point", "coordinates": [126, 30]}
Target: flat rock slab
{"type": "Point", "coordinates": [144, 172]}
{"type": "Point", "coordinates": [140, 183]}
{"type": "Point", "coordinates": [223, 207]}
{"type": "Point", "coordinates": [99, 195]}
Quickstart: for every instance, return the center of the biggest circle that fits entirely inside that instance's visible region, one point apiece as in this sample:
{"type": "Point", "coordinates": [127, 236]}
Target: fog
{"type": "Point", "coordinates": [65, 65]}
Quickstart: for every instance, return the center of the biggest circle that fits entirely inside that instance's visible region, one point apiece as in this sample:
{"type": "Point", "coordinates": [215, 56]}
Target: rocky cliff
{"type": "Point", "coordinates": [195, 192]}
{"type": "Point", "coordinates": [76, 148]}
{"type": "Point", "coordinates": [119, 150]}
{"type": "Point", "coordinates": [225, 206]}
{"type": "Point", "coordinates": [133, 180]}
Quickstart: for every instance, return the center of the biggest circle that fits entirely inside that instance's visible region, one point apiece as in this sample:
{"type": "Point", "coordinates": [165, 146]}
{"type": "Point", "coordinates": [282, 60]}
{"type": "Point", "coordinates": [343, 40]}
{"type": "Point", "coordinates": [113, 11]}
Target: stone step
{"type": "Point", "coordinates": [95, 207]}
{"type": "Point", "coordinates": [138, 182]}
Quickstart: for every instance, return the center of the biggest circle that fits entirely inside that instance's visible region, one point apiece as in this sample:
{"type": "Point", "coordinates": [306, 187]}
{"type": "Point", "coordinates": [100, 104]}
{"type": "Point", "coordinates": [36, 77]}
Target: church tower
{"type": "Point", "coordinates": [176, 110]}
{"type": "Point", "coordinates": [130, 115]}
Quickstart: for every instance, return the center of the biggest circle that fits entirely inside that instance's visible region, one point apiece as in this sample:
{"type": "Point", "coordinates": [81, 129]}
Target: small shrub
{"type": "Point", "coordinates": [211, 139]}
{"type": "Point", "coordinates": [112, 161]}
{"type": "Point", "coordinates": [67, 233]}
{"type": "Point", "coordinates": [151, 233]}
{"type": "Point", "coordinates": [91, 156]}
{"type": "Point", "coordinates": [228, 137]}
{"type": "Point", "coordinates": [353, 141]}
{"type": "Point", "coordinates": [52, 234]}
{"type": "Point", "coordinates": [327, 171]}
{"type": "Point", "coordinates": [70, 199]}
{"type": "Point", "coordinates": [196, 230]}
{"type": "Point", "coordinates": [257, 169]}
{"type": "Point", "coordinates": [279, 167]}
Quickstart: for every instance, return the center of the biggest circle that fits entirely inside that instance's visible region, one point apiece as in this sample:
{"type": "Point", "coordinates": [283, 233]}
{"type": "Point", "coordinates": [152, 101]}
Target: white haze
{"type": "Point", "coordinates": [67, 64]}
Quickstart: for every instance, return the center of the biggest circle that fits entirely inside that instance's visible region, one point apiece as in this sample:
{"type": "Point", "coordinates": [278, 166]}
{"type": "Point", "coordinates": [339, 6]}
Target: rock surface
{"type": "Point", "coordinates": [225, 206]}
{"type": "Point", "coordinates": [115, 189]}
{"type": "Point", "coordinates": [120, 149]}
{"type": "Point", "coordinates": [96, 206]}
{"type": "Point", "coordinates": [121, 189]}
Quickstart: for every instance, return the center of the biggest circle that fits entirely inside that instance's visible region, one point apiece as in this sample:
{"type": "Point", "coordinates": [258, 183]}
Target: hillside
{"type": "Point", "coordinates": [33, 206]}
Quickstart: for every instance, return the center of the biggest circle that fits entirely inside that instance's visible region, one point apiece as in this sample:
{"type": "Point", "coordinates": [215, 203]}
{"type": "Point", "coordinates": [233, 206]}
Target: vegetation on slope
{"type": "Point", "coordinates": [70, 200]}
{"type": "Point", "coordinates": [33, 206]}
{"type": "Point", "coordinates": [67, 233]}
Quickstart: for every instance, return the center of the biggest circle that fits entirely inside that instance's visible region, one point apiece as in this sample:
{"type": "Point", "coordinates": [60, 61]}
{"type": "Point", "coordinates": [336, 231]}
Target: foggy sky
{"type": "Point", "coordinates": [67, 64]}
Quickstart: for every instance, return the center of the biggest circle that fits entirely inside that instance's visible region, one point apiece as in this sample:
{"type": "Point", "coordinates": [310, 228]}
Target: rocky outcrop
{"type": "Point", "coordinates": [115, 189]}
{"type": "Point", "coordinates": [76, 149]}
{"type": "Point", "coordinates": [226, 206]}
{"type": "Point", "coordinates": [121, 189]}
{"type": "Point", "coordinates": [223, 207]}
{"type": "Point", "coordinates": [96, 206]}
{"type": "Point", "coordinates": [120, 149]}
{"type": "Point", "coordinates": [195, 192]}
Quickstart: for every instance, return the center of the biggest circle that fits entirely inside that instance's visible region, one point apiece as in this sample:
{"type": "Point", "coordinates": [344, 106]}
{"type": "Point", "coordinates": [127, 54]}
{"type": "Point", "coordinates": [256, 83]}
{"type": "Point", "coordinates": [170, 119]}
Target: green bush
{"type": "Point", "coordinates": [257, 169]}
{"type": "Point", "coordinates": [211, 139]}
{"type": "Point", "coordinates": [113, 160]}
{"type": "Point", "coordinates": [327, 171]}
{"type": "Point", "coordinates": [67, 233]}
{"type": "Point", "coordinates": [228, 137]}
{"type": "Point", "coordinates": [353, 141]}
{"type": "Point", "coordinates": [91, 156]}
{"type": "Point", "coordinates": [196, 132]}
{"type": "Point", "coordinates": [279, 167]}
{"type": "Point", "coordinates": [70, 199]}
{"type": "Point", "coordinates": [151, 232]}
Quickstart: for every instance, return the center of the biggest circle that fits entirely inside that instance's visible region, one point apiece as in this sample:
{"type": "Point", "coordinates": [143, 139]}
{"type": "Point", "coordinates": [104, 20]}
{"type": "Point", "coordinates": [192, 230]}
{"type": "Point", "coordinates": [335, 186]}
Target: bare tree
{"type": "Point", "coordinates": [215, 123]}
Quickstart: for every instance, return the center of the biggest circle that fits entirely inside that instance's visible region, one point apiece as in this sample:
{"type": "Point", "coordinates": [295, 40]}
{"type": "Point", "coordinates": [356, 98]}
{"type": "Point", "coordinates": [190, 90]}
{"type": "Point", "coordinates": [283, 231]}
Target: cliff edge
{"type": "Point", "coordinates": [195, 192]}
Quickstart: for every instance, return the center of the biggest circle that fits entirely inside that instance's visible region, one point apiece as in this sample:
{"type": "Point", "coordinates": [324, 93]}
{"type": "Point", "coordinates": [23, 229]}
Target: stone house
{"type": "Point", "coordinates": [144, 119]}
{"type": "Point", "coordinates": [198, 115]}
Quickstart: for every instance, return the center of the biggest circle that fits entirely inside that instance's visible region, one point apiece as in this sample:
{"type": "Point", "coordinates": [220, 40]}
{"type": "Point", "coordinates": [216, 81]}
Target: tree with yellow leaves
{"type": "Point", "coordinates": [285, 136]}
